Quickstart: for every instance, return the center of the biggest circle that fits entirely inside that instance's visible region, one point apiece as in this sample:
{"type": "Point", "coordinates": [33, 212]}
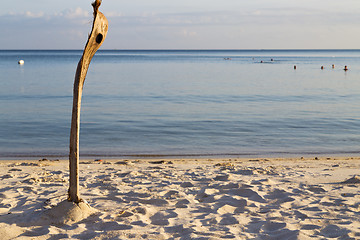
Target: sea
{"type": "Point", "coordinates": [182, 103]}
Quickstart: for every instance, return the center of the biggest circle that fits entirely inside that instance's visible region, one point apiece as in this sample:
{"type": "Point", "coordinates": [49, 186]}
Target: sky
{"type": "Point", "coordinates": [184, 24]}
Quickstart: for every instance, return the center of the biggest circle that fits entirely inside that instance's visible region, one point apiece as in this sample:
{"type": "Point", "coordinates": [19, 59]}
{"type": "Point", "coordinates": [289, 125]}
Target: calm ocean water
{"type": "Point", "coordinates": [182, 103]}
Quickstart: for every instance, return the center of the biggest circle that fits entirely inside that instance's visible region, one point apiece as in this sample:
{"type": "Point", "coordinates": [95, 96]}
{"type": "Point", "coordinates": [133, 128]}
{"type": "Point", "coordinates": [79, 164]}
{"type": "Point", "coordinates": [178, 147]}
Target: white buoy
{"type": "Point", "coordinates": [21, 62]}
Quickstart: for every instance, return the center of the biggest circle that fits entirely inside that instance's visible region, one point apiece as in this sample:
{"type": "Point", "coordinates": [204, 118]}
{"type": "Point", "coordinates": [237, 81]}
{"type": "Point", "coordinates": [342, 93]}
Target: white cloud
{"type": "Point", "coordinates": [232, 24]}
{"type": "Point", "coordinates": [188, 33]}
{"type": "Point", "coordinates": [75, 13]}
{"type": "Point", "coordinates": [66, 29]}
{"type": "Point", "coordinates": [68, 13]}
{"type": "Point", "coordinates": [33, 15]}
{"type": "Point", "coordinates": [259, 17]}
{"type": "Point", "coordinates": [112, 14]}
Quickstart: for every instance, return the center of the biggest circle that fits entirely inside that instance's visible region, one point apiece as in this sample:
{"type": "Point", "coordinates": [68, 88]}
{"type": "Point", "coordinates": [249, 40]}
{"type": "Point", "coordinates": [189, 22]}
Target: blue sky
{"type": "Point", "coordinates": [183, 24]}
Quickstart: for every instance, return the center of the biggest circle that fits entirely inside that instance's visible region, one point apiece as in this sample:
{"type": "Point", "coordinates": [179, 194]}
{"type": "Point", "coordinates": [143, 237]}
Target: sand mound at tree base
{"type": "Point", "coordinates": [68, 212]}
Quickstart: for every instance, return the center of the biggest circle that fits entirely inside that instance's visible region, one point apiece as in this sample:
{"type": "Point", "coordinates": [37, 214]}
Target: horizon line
{"type": "Point", "coordinates": [188, 49]}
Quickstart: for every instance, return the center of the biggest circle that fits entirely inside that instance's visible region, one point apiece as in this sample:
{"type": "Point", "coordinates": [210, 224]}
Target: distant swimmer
{"type": "Point", "coordinates": [346, 68]}
{"type": "Point", "coordinates": [322, 67]}
{"type": "Point", "coordinates": [333, 66]}
{"type": "Point", "coordinates": [294, 67]}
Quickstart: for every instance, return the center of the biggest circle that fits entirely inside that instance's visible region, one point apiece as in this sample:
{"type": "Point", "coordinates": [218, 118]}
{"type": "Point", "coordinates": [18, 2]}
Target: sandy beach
{"type": "Point", "coordinates": [297, 198]}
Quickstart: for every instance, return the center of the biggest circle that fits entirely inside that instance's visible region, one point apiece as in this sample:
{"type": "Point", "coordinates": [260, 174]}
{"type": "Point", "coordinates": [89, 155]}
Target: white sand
{"type": "Point", "coordinates": [183, 199]}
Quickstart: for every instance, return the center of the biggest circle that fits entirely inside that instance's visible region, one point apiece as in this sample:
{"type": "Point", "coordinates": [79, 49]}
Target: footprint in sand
{"type": "Point", "coordinates": [172, 194]}
{"type": "Point", "coordinates": [186, 184]}
{"type": "Point", "coordinates": [209, 221]}
{"type": "Point", "coordinates": [272, 226]}
{"type": "Point", "coordinates": [248, 193]}
{"type": "Point", "coordinates": [277, 230]}
{"type": "Point", "coordinates": [280, 196]}
{"type": "Point", "coordinates": [182, 203]}
{"type": "Point", "coordinates": [226, 209]}
{"type": "Point", "coordinates": [125, 214]}
{"type": "Point", "coordinates": [310, 227]}
{"type": "Point", "coordinates": [114, 226]}
{"type": "Point", "coordinates": [300, 215]}
{"type": "Point", "coordinates": [7, 176]}
{"type": "Point", "coordinates": [265, 181]}
{"type": "Point", "coordinates": [140, 210]}
{"type": "Point", "coordinates": [229, 186]}
{"type": "Point", "coordinates": [238, 204]}
{"type": "Point", "coordinates": [255, 225]}
{"type": "Point", "coordinates": [178, 231]}
{"type": "Point", "coordinates": [206, 195]}
{"type": "Point", "coordinates": [222, 177]}
{"type": "Point", "coordinates": [277, 194]}
{"type": "Point", "coordinates": [316, 189]}
{"type": "Point", "coordinates": [334, 231]}
{"type": "Point", "coordinates": [15, 170]}
{"type": "Point", "coordinates": [162, 218]}
{"type": "Point", "coordinates": [154, 201]}
{"type": "Point", "coordinates": [228, 219]}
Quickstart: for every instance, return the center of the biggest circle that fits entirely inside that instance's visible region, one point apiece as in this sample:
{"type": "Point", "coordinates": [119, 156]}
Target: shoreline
{"type": "Point", "coordinates": [162, 198]}
{"type": "Point", "coordinates": [190, 158]}
{"type": "Point", "coordinates": [272, 155]}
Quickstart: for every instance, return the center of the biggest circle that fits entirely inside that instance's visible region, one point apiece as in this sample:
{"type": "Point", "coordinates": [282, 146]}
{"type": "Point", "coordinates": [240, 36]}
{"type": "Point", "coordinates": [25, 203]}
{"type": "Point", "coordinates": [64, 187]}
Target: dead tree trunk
{"type": "Point", "coordinates": [96, 38]}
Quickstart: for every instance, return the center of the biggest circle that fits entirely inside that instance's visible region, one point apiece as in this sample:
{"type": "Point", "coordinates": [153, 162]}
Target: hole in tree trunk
{"type": "Point", "coordinates": [99, 38]}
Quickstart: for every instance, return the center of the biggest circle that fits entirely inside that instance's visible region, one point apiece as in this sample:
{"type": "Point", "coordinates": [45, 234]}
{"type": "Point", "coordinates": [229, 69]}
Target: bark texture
{"type": "Point", "coordinates": [96, 38]}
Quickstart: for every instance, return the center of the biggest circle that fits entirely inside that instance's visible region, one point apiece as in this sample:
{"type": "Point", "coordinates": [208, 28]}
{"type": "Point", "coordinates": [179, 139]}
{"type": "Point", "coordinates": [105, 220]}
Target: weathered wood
{"type": "Point", "coordinates": [96, 38]}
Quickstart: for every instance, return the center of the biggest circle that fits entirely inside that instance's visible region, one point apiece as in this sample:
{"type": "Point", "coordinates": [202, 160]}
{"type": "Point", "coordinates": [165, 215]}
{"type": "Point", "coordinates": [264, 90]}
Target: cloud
{"type": "Point", "coordinates": [66, 29]}
{"type": "Point", "coordinates": [113, 14]}
{"type": "Point", "coordinates": [260, 27]}
{"type": "Point", "coordinates": [74, 13]}
{"type": "Point", "coordinates": [176, 19]}
{"type": "Point", "coordinates": [187, 33]}
{"type": "Point", "coordinates": [33, 15]}
{"type": "Point", "coordinates": [258, 17]}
